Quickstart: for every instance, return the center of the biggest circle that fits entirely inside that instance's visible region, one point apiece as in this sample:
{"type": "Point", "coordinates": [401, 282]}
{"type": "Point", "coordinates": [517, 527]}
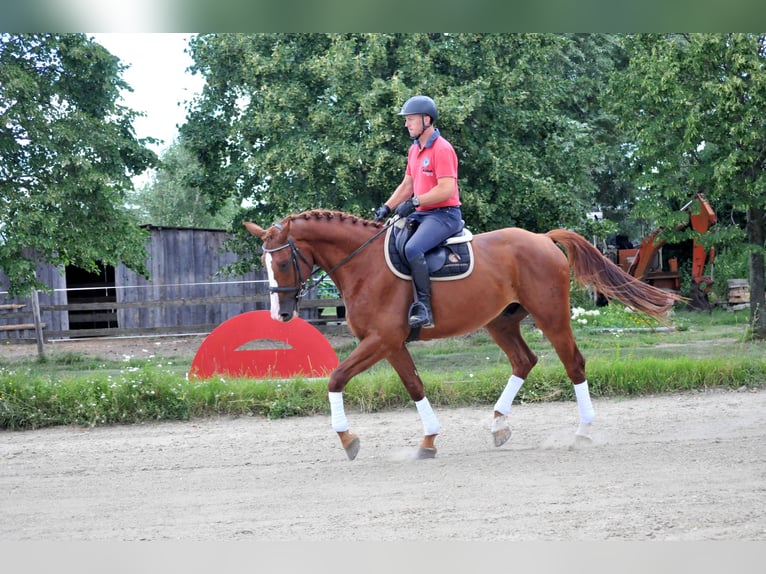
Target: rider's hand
{"type": "Point", "coordinates": [382, 212]}
{"type": "Point", "coordinates": [405, 208]}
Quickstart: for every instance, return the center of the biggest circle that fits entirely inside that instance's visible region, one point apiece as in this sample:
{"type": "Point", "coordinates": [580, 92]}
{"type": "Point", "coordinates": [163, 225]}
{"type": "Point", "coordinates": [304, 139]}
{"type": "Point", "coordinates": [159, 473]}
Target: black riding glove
{"type": "Point", "coordinates": [405, 208]}
{"type": "Point", "coordinates": [382, 212]}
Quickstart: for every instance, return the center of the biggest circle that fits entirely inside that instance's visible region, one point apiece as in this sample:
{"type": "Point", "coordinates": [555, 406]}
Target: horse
{"type": "Point", "coordinates": [516, 273]}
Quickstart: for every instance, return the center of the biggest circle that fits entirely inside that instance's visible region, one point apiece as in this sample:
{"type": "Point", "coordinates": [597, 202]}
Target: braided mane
{"type": "Point", "coordinates": [329, 215]}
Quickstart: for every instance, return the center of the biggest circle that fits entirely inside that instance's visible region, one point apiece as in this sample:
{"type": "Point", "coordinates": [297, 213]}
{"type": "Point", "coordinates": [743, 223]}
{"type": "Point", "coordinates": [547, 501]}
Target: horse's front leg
{"type": "Point", "coordinates": [367, 353]}
{"type": "Point", "coordinates": [505, 330]}
{"type": "Point", "coordinates": [404, 366]}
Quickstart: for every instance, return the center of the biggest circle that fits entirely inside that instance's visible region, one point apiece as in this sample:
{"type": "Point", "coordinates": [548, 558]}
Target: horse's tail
{"type": "Point", "coordinates": [591, 268]}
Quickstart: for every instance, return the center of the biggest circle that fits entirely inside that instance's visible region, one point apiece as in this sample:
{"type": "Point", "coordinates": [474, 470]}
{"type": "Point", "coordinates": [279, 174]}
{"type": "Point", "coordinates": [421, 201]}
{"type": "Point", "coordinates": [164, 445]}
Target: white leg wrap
{"type": "Point", "coordinates": [503, 404]}
{"type": "Point", "coordinates": [337, 413]}
{"type": "Point", "coordinates": [587, 414]}
{"type": "Point", "coordinates": [427, 415]}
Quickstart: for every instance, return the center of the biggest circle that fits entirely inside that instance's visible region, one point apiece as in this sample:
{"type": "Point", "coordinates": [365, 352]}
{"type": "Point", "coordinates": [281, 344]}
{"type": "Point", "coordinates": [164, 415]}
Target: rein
{"type": "Point", "coordinates": [300, 287]}
{"type": "Point", "coordinates": [362, 247]}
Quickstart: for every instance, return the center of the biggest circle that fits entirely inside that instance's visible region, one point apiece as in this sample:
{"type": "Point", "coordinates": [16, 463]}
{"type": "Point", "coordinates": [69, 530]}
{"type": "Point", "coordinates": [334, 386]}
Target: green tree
{"type": "Point", "coordinates": [67, 153]}
{"type": "Point", "coordinates": [288, 122]}
{"type": "Point", "coordinates": [694, 110]}
{"type": "Point", "coordinates": [168, 200]}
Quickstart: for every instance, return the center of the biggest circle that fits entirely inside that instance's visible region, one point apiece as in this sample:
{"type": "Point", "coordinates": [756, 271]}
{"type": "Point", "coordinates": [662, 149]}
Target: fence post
{"type": "Point", "coordinates": [38, 324]}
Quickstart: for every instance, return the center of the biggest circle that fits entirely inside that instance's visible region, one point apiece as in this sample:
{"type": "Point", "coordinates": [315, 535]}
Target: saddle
{"type": "Point", "coordinates": [450, 260]}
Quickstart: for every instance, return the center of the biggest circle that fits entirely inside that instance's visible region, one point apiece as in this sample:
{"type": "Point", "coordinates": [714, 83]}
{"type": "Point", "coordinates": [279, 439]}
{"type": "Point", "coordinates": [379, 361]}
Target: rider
{"type": "Point", "coordinates": [428, 197]}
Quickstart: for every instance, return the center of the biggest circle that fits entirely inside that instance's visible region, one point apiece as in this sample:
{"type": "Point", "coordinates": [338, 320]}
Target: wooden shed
{"type": "Point", "coordinates": [185, 266]}
{"type": "Point", "coordinates": [186, 291]}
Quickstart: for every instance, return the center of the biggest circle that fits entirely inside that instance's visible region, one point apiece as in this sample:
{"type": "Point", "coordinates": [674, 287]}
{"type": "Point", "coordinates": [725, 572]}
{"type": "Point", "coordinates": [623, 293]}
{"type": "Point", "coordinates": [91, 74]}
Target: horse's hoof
{"type": "Point", "coordinates": [501, 436]}
{"type": "Point", "coordinates": [583, 440]}
{"type": "Point", "coordinates": [583, 430]}
{"type": "Point", "coordinates": [501, 432]}
{"type": "Point", "coordinates": [352, 448]}
{"type": "Point", "coordinates": [582, 436]}
{"type": "Point", "coordinates": [424, 453]}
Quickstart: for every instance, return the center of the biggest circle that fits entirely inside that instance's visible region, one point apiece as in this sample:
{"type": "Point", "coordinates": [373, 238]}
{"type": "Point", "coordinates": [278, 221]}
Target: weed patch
{"type": "Point", "coordinates": [710, 351]}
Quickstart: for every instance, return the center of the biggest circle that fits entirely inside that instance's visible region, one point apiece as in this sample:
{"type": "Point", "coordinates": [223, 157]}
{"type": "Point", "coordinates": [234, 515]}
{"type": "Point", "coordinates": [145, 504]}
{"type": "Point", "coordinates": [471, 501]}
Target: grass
{"type": "Point", "coordinates": [625, 355]}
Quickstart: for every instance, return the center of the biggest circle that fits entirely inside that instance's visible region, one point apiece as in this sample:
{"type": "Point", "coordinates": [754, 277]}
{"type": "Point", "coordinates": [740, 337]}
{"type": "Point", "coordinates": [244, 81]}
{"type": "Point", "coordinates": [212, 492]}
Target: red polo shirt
{"type": "Point", "coordinates": [427, 164]}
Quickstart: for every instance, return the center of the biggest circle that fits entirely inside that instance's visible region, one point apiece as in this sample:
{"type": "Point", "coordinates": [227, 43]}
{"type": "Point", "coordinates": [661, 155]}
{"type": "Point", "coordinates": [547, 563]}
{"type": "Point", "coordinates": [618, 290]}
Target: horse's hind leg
{"type": "Point", "coordinates": [404, 366]}
{"type": "Point", "coordinates": [557, 327]}
{"type": "Point", "coordinates": [506, 332]}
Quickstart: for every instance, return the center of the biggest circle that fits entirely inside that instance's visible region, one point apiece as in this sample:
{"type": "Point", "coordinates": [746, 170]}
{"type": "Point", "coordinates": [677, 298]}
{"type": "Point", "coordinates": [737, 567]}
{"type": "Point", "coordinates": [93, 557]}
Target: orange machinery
{"type": "Point", "coordinates": [645, 262]}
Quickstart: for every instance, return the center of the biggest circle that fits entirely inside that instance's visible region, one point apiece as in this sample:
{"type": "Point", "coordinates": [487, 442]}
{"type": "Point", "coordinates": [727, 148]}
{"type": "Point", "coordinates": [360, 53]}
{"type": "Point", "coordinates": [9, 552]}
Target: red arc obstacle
{"type": "Point", "coordinates": [310, 353]}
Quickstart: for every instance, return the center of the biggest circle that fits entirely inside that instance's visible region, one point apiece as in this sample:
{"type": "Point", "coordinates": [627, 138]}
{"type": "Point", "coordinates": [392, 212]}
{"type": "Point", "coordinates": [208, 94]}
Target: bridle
{"type": "Point", "coordinates": [296, 256]}
{"type": "Point", "coordinates": [300, 288]}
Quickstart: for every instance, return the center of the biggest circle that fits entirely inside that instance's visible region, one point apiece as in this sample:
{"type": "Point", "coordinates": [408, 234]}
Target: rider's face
{"type": "Point", "coordinates": [414, 124]}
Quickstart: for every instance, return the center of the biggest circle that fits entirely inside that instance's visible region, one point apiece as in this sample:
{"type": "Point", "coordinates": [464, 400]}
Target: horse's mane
{"type": "Point", "coordinates": [330, 215]}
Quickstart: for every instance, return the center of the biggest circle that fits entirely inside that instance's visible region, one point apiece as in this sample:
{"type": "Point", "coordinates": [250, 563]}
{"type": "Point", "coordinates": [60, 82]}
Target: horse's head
{"type": "Point", "coordinates": [287, 267]}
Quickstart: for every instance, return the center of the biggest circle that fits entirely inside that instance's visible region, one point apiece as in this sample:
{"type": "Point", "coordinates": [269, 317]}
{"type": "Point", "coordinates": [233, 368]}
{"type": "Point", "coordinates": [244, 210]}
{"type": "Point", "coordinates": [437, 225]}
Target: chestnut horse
{"type": "Point", "coordinates": [516, 273]}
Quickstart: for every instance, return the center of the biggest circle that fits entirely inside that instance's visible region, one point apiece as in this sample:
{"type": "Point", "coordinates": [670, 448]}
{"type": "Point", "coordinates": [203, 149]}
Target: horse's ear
{"type": "Point", "coordinates": [255, 230]}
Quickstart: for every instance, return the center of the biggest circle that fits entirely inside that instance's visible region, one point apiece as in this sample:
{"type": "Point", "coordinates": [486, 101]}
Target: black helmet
{"type": "Point", "coordinates": [420, 105]}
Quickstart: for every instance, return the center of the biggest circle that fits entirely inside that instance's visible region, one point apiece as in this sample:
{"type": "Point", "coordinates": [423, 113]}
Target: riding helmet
{"type": "Point", "coordinates": [420, 105]}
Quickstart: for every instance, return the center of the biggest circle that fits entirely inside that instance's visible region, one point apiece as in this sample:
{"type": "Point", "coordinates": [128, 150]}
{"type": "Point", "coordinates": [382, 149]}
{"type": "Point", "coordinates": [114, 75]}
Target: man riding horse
{"type": "Point", "coordinates": [428, 197]}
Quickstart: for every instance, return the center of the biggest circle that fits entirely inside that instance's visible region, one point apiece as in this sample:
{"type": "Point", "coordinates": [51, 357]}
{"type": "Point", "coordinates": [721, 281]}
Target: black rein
{"type": "Point", "coordinates": [300, 287]}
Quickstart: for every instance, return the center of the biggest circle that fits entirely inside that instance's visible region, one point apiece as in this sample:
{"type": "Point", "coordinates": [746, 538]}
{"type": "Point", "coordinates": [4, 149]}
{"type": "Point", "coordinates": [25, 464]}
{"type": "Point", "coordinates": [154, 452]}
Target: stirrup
{"type": "Point", "coordinates": [420, 316]}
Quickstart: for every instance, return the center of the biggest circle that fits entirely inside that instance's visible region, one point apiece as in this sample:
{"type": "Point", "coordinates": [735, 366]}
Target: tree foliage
{"type": "Point", "coordinates": [289, 122]}
{"type": "Point", "coordinates": [167, 200]}
{"type": "Point", "coordinates": [67, 153]}
{"type": "Point", "coordinates": [693, 109]}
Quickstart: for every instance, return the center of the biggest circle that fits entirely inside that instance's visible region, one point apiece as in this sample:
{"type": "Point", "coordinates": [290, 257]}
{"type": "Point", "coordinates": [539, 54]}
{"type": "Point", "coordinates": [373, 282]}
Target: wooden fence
{"type": "Point", "coordinates": [22, 323]}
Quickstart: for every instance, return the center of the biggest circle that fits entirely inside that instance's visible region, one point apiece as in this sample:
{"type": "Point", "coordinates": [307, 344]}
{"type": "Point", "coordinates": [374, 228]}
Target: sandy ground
{"type": "Point", "coordinates": [677, 467]}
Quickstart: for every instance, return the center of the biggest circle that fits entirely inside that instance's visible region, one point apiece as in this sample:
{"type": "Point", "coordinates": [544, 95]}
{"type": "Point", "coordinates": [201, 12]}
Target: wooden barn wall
{"type": "Point", "coordinates": [49, 275]}
{"type": "Point", "coordinates": [179, 258]}
{"type": "Point", "coordinates": [55, 278]}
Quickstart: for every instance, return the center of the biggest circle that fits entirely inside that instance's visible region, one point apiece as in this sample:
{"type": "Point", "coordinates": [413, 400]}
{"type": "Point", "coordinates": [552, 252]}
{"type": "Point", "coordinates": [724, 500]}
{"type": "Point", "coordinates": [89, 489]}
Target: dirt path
{"type": "Point", "coordinates": [679, 467]}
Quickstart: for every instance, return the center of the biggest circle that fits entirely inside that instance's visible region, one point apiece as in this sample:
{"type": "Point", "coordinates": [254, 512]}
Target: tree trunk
{"type": "Point", "coordinates": [756, 235]}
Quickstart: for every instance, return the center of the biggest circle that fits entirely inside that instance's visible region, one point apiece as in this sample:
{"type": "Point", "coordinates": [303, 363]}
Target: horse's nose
{"type": "Point", "coordinates": [285, 316]}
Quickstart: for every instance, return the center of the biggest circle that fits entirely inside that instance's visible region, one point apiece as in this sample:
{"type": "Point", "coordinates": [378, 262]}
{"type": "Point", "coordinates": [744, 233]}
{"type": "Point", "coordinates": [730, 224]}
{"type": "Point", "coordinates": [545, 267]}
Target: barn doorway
{"type": "Point", "coordinates": [96, 290]}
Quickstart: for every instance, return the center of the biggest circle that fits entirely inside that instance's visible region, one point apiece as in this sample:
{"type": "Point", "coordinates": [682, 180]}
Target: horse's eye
{"type": "Point", "coordinates": [282, 266]}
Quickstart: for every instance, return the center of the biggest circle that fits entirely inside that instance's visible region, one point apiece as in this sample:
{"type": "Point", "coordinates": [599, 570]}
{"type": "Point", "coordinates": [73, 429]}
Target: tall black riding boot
{"type": "Point", "coordinates": [420, 312]}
